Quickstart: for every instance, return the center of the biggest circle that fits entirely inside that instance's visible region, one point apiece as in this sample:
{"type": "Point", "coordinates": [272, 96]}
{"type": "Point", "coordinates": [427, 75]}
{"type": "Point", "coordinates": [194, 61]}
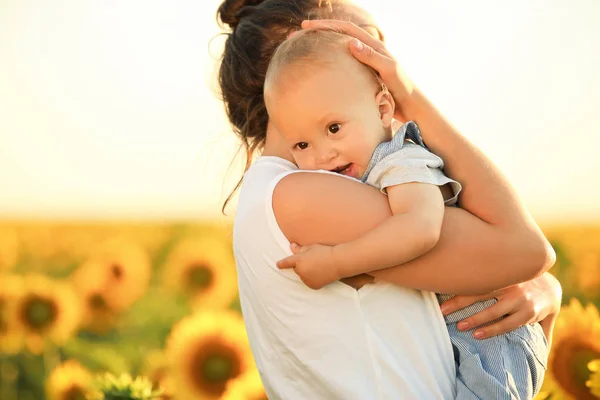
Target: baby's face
{"type": "Point", "coordinates": [330, 116]}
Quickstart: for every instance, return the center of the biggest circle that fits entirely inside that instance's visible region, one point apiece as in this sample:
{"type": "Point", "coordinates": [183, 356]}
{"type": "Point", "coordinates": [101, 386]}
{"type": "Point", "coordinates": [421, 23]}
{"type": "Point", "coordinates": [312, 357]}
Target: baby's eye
{"type": "Point", "coordinates": [301, 145]}
{"type": "Point", "coordinates": [334, 128]}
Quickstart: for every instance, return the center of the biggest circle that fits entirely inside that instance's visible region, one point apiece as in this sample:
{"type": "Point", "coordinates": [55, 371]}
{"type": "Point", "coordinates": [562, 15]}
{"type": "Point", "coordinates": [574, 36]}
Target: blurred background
{"type": "Point", "coordinates": [116, 156]}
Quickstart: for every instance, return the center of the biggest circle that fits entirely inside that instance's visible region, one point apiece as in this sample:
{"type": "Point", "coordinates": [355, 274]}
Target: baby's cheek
{"type": "Point", "coordinates": [302, 161]}
{"type": "Point", "coordinates": [363, 152]}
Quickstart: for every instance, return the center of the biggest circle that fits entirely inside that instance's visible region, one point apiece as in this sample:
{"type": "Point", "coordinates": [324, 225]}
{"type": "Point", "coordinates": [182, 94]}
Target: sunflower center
{"type": "Point", "coordinates": [570, 366]}
{"type": "Point", "coordinates": [117, 271]}
{"type": "Point", "coordinates": [217, 368]}
{"type": "Point", "coordinates": [97, 302]}
{"type": "Point", "coordinates": [199, 277]}
{"type": "Point", "coordinates": [213, 365]}
{"type": "Point", "coordinates": [39, 313]}
{"type": "Point", "coordinates": [74, 393]}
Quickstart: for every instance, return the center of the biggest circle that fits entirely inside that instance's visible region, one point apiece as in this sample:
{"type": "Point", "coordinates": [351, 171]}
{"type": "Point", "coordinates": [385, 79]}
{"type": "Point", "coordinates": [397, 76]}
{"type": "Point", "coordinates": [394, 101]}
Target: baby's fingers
{"type": "Point", "coordinates": [288, 262]}
{"type": "Point", "coordinates": [295, 247]}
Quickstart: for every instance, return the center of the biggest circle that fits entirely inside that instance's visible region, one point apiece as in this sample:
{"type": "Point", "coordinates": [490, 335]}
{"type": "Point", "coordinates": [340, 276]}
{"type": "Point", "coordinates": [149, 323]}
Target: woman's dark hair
{"type": "Point", "coordinates": [258, 27]}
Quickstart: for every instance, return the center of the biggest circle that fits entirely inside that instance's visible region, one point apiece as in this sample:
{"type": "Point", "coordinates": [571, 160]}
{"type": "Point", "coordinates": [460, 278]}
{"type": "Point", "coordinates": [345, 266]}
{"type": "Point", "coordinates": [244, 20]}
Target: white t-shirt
{"type": "Point", "coordinates": [379, 342]}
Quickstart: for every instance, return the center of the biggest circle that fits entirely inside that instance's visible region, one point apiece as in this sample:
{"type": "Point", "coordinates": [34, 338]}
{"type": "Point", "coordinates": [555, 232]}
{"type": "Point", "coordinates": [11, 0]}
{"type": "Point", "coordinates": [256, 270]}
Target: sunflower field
{"type": "Point", "coordinates": [150, 311]}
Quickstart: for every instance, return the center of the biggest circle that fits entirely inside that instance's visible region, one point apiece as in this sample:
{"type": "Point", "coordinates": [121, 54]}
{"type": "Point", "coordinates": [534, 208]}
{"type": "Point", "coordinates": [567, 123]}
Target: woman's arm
{"type": "Point", "coordinates": [486, 193]}
{"type": "Point", "coordinates": [493, 221]}
{"type": "Point", "coordinates": [417, 208]}
{"type": "Point", "coordinates": [471, 257]}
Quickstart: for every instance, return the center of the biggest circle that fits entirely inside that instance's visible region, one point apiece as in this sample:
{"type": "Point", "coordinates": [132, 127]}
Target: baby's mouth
{"type": "Point", "coordinates": [342, 169]}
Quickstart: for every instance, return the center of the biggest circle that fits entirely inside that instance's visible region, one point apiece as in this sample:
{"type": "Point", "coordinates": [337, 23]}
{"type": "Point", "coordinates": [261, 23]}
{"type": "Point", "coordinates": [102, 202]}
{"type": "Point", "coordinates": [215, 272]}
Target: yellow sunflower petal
{"type": "Point", "coordinates": [156, 368]}
{"type": "Point", "coordinates": [46, 310]}
{"type": "Point", "coordinates": [578, 263]}
{"type": "Point", "coordinates": [576, 341]}
{"type": "Point", "coordinates": [11, 338]}
{"type": "Point", "coordinates": [587, 267]}
{"type": "Point", "coordinates": [594, 382]}
{"type": "Point", "coordinates": [9, 248]}
{"type": "Point", "coordinates": [89, 281]}
{"type": "Point", "coordinates": [247, 387]}
{"type": "Point", "coordinates": [205, 351]}
{"type": "Point", "coordinates": [69, 381]}
{"type": "Point", "coordinates": [202, 268]}
{"type": "Point", "coordinates": [120, 270]}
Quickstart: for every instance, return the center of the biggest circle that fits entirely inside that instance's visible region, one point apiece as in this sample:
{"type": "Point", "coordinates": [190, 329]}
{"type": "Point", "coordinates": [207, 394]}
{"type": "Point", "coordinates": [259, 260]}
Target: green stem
{"type": "Point", "coordinates": [51, 358]}
{"type": "Point", "coordinates": [8, 378]}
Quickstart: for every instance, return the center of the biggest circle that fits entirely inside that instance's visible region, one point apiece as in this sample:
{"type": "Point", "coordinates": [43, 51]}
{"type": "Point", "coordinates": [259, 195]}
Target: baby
{"type": "Point", "coordinates": [335, 114]}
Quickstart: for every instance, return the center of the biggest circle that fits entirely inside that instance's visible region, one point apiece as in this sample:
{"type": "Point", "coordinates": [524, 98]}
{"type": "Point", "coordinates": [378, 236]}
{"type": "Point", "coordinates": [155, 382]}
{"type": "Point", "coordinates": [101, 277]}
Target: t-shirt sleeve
{"type": "Point", "coordinates": [412, 163]}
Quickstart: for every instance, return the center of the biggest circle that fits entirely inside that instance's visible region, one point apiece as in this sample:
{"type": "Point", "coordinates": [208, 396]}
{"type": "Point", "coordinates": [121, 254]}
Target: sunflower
{"type": "Point", "coordinates": [120, 271]}
{"type": "Point", "coordinates": [98, 315]}
{"type": "Point", "coordinates": [156, 368]}
{"type": "Point", "coordinates": [69, 381]}
{"type": "Point", "coordinates": [205, 351]}
{"type": "Point", "coordinates": [10, 337]}
{"type": "Point", "coordinates": [9, 248]}
{"type": "Point", "coordinates": [204, 270]}
{"type": "Point", "coordinates": [42, 242]}
{"type": "Point", "coordinates": [46, 310]}
{"type": "Point", "coordinates": [576, 341]}
{"type": "Point", "coordinates": [124, 386]}
{"type": "Point", "coordinates": [594, 382]}
{"type": "Point", "coordinates": [152, 237]}
{"type": "Point", "coordinates": [246, 387]}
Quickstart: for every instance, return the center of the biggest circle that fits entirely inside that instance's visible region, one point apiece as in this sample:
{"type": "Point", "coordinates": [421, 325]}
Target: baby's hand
{"type": "Point", "coordinates": [314, 264]}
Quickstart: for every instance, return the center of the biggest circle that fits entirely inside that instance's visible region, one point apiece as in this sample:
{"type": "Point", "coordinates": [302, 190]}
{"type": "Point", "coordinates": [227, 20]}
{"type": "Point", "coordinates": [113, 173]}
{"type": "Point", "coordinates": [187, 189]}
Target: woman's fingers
{"type": "Point", "coordinates": [347, 28]}
{"type": "Point", "coordinates": [374, 59]}
{"type": "Point", "coordinates": [459, 302]}
{"type": "Point", "coordinates": [372, 52]}
{"type": "Point", "coordinates": [505, 325]}
{"type": "Point", "coordinates": [397, 83]}
{"type": "Point", "coordinates": [489, 314]}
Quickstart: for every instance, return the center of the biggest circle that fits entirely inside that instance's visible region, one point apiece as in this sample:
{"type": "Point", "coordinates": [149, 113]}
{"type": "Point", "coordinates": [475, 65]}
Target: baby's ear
{"type": "Point", "coordinates": [386, 105]}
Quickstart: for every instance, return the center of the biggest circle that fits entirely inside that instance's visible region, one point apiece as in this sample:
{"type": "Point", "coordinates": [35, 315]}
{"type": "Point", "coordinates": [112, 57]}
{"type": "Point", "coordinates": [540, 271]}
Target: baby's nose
{"type": "Point", "coordinates": [326, 155]}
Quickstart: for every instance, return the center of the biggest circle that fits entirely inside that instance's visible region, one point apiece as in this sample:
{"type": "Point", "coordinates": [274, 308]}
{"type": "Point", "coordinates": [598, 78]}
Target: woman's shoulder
{"type": "Point", "coordinates": [269, 166]}
{"type": "Point", "coordinates": [269, 174]}
{"type": "Point", "coordinates": [261, 176]}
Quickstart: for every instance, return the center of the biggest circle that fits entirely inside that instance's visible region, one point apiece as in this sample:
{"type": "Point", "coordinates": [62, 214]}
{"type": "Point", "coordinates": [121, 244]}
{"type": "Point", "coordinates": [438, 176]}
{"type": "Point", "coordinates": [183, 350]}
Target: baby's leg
{"type": "Point", "coordinates": [509, 366]}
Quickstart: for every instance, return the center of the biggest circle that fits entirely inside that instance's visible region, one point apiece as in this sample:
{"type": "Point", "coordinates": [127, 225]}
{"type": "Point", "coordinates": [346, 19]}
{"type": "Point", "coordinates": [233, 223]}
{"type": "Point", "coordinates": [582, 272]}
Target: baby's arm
{"type": "Point", "coordinates": [417, 189]}
{"type": "Point", "coordinates": [413, 230]}
{"type": "Point", "coordinates": [418, 211]}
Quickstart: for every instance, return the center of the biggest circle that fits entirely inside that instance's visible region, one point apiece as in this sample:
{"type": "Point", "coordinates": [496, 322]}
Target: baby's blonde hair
{"type": "Point", "coordinates": [310, 48]}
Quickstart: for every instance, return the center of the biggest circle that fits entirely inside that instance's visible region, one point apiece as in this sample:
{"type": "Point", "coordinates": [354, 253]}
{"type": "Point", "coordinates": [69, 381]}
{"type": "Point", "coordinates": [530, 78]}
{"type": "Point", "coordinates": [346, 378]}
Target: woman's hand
{"type": "Point", "coordinates": [371, 51]}
{"type": "Point", "coordinates": [537, 300]}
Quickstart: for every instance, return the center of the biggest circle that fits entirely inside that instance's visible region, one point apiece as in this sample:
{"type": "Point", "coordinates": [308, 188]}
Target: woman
{"type": "Point", "coordinates": [355, 340]}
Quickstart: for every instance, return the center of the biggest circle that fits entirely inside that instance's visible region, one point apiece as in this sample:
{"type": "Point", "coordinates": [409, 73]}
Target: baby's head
{"type": "Point", "coordinates": [330, 109]}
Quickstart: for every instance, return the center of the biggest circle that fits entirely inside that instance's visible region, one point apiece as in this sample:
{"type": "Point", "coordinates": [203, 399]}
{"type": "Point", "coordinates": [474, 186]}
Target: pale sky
{"type": "Point", "coordinates": [108, 108]}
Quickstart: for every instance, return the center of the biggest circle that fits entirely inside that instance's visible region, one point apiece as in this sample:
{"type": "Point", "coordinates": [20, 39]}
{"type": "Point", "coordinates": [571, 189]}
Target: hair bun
{"type": "Point", "coordinates": [229, 10]}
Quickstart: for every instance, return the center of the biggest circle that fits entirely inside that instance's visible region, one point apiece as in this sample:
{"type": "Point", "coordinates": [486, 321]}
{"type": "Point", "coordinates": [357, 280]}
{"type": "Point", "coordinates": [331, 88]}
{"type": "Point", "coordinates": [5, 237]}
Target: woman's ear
{"type": "Point", "coordinates": [386, 105]}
